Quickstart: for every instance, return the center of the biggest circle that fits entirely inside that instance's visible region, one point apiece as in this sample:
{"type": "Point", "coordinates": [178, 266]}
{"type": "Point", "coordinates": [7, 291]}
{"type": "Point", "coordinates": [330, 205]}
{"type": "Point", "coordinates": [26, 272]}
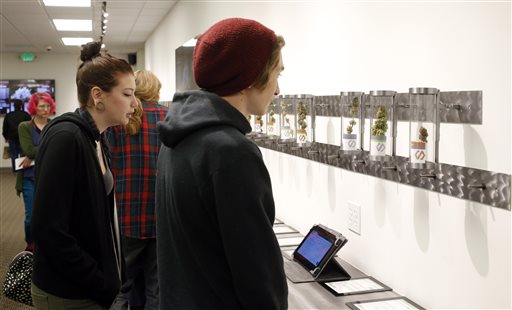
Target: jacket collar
{"type": "Point", "coordinates": [86, 116]}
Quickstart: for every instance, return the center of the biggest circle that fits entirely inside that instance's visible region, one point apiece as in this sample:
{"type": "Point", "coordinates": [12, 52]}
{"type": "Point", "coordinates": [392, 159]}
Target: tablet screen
{"type": "Point", "coordinates": [314, 248]}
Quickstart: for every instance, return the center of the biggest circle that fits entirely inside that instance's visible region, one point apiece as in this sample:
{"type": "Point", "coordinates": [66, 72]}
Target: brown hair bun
{"type": "Point", "coordinates": [90, 50]}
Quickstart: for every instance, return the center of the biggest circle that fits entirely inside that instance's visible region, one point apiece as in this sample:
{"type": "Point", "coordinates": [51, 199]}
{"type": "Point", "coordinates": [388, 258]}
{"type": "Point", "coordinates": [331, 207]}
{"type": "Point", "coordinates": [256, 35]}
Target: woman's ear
{"type": "Point", "coordinates": [96, 94]}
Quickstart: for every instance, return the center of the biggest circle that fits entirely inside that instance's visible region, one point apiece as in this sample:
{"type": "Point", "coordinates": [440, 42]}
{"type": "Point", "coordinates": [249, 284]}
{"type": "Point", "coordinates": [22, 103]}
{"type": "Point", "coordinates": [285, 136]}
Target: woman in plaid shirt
{"type": "Point", "coordinates": [134, 151]}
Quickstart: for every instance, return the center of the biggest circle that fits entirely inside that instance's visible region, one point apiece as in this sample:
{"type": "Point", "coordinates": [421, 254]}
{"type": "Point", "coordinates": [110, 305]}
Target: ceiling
{"type": "Point", "coordinates": [26, 25]}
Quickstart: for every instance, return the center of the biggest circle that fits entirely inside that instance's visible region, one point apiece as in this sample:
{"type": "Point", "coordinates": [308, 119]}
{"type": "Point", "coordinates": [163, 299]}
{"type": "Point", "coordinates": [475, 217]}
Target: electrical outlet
{"type": "Point", "coordinates": [354, 217]}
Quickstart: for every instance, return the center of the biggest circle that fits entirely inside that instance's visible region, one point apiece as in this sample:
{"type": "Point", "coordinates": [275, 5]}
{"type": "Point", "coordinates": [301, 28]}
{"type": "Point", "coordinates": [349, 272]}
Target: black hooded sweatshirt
{"type": "Point", "coordinates": [215, 211]}
{"type": "Point", "coordinates": [72, 218]}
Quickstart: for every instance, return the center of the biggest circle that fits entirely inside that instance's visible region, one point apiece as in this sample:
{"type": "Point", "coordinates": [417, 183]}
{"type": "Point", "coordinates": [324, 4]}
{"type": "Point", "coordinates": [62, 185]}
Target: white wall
{"type": "Point", "coordinates": [61, 67]}
{"type": "Point", "coordinates": [440, 251]}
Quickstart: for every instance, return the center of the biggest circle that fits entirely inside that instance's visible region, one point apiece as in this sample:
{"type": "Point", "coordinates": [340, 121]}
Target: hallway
{"type": "Point", "coordinates": [11, 230]}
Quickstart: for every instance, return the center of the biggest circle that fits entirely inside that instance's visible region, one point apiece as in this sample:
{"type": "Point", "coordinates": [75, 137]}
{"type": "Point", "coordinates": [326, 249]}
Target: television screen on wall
{"type": "Point", "coordinates": [22, 89]}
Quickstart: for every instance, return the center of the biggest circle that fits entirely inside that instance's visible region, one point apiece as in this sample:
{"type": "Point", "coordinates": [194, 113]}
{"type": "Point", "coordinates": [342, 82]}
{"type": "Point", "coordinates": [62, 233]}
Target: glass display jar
{"type": "Point", "coordinates": [273, 119]}
{"type": "Point", "coordinates": [250, 119]}
{"type": "Point", "coordinates": [423, 127]}
{"type": "Point", "coordinates": [287, 109]}
{"type": "Point", "coordinates": [304, 116]}
{"type": "Point", "coordinates": [351, 122]}
{"type": "Point", "coordinates": [382, 129]}
{"type": "Point", "coordinates": [259, 124]}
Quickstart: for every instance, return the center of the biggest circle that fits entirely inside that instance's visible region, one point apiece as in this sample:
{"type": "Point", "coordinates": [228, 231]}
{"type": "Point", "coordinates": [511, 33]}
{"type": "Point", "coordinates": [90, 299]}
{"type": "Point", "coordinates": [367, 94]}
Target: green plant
{"type": "Point", "coordinates": [271, 113]}
{"type": "Point", "coordinates": [259, 120]}
{"type": "Point", "coordinates": [301, 119]}
{"type": "Point", "coordinates": [380, 127]}
{"type": "Point", "coordinates": [354, 108]}
{"type": "Point", "coordinates": [284, 115]}
{"type": "Point", "coordinates": [271, 118]}
{"type": "Point", "coordinates": [351, 125]}
{"type": "Point", "coordinates": [423, 134]}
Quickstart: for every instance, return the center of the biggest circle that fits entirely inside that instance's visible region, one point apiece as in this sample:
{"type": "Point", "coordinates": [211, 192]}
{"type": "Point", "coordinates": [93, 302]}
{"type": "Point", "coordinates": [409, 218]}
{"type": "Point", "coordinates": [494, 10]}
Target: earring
{"type": "Point", "coordinates": [100, 106]}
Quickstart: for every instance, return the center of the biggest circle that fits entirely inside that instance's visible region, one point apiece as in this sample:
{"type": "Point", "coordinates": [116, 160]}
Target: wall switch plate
{"type": "Point", "coordinates": [354, 217]}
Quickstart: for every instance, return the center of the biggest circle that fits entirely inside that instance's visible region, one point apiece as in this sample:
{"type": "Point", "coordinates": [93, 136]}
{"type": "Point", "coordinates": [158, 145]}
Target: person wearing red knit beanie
{"type": "Point", "coordinates": [214, 203]}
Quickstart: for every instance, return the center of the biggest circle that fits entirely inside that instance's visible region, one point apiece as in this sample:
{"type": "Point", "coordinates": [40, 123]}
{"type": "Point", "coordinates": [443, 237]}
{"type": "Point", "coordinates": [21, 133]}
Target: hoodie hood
{"type": "Point", "coordinates": [195, 110]}
{"type": "Point", "coordinates": [77, 119]}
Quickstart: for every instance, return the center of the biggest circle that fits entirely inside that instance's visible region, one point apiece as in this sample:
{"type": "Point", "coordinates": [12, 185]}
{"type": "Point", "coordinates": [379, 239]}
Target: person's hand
{"type": "Point", "coordinates": [26, 162]}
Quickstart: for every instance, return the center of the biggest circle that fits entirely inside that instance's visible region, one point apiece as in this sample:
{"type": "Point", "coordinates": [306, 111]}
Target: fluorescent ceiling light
{"type": "Point", "coordinates": [73, 24]}
{"type": "Point", "coordinates": [76, 41]}
{"type": "Point", "coordinates": [73, 3]}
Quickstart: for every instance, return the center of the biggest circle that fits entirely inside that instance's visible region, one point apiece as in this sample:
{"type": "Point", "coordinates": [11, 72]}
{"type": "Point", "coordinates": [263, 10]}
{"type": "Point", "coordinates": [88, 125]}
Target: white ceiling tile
{"type": "Point", "coordinates": [116, 4]}
{"type": "Point", "coordinates": [146, 22]}
{"type": "Point", "coordinates": [141, 38]}
{"type": "Point", "coordinates": [27, 23]}
{"type": "Point", "coordinates": [153, 12]}
{"type": "Point", "coordinates": [20, 8]}
{"type": "Point", "coordinates": [160, 5]}
{"type": "Point", "coordinates": [123, 12]}
{"type": "Point", "coordinates": [70, 13]}
{"type": "Point", "coordinates": [11, 36]}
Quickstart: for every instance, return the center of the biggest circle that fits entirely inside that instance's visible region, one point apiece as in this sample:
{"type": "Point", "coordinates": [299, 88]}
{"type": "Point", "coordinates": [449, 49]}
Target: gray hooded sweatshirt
{"type": "Point", "coordinates": [215, 211]}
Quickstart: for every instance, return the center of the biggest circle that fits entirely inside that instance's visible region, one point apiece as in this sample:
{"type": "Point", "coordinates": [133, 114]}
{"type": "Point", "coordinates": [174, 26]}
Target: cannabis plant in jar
{"type": "Point", "coordinates": [302, 124]}
{"type": "Point", "coordinates": [381, 134]}
{"type": "Point", "coordinates": [350, 121]}
{"type": "Point", "coordinates": [271, 120]}
{"type": "Point", "coordinates": [423, 122]}
{"type": "Point", "coordinates": [286, 107]}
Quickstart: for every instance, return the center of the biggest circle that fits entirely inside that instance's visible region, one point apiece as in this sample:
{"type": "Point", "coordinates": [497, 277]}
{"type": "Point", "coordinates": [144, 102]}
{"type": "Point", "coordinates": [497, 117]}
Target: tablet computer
{"type": "Point", "coordinates": [317, 249]}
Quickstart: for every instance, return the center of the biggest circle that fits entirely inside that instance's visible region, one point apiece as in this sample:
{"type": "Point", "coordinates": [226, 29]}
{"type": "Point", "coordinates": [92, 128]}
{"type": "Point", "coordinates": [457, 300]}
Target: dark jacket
{"type": "Point", "coordinates": [74, 255]}
{"type": "Point", "coordinates": [11, 122]}
{"type": "Point", "coordinates": [215, 211]}
{"type": "Point", "coordinates": [26, 131]}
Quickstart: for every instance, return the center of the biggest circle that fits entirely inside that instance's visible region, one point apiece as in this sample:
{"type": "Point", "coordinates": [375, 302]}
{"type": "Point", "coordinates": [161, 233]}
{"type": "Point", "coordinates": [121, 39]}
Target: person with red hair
{"type": "Point", "coordinates": [35, 101]}
{"type": "Point", "coordinates": [40, 107]}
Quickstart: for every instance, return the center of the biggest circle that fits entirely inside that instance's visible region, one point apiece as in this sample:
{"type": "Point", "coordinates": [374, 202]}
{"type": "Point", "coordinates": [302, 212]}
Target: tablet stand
{"type": "Point", "coordinates": [333, 271]}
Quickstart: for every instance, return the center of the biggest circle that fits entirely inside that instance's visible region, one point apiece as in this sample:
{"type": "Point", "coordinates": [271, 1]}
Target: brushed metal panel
{"type": "Point", "coordinates": [460, 107]}
{"type": "Point", "coordinates": [482, 186]}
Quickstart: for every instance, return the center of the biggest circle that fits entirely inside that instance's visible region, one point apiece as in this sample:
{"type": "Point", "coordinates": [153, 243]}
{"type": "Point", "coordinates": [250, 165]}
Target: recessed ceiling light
{"type": "Point", "coordinates": [75, 41]}
{"type": "Point", "coordinates": [74, 3]}
{"type": "Point", "coordinates": [73, 24]}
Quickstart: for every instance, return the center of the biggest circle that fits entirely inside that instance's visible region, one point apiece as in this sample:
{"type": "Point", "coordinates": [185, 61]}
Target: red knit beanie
{"type": "Point", "coordinates": [231, 55]}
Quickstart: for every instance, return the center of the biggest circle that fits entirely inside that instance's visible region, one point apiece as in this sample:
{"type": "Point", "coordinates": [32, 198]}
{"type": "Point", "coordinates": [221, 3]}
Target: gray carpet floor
{"type": "Point", "coordinates": [11, 230]}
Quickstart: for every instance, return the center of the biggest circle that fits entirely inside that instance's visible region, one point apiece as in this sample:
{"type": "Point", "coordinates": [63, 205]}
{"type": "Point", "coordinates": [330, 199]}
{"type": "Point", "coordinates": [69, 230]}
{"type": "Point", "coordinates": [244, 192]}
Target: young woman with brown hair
{"type": "Point", "coordinates": [77, 254]}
